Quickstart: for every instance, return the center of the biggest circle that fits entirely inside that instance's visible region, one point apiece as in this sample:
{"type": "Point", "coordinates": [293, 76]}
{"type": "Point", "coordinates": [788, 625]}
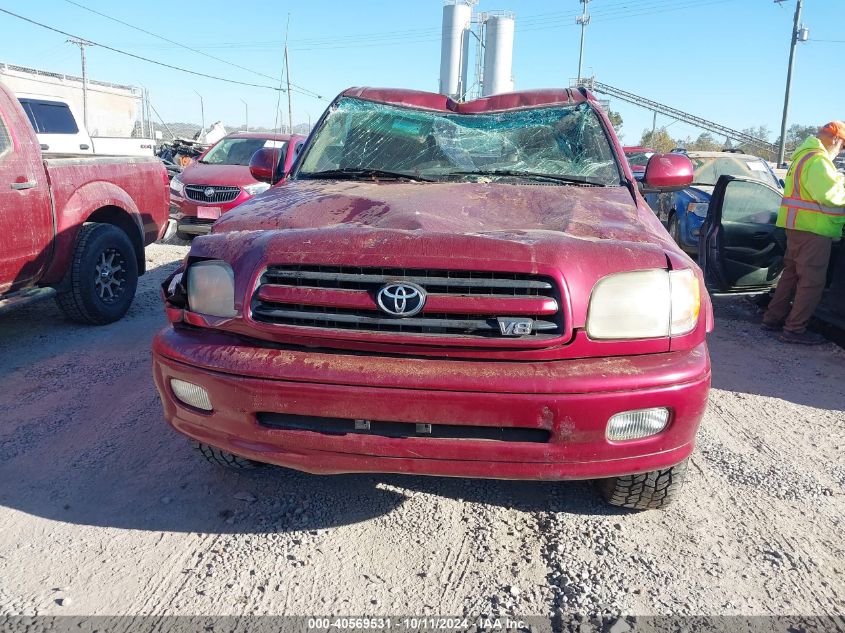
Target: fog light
{"type": "Point", "coordinates": [632, 425]}
{"type": "Point", "coordinates": [191, 394]}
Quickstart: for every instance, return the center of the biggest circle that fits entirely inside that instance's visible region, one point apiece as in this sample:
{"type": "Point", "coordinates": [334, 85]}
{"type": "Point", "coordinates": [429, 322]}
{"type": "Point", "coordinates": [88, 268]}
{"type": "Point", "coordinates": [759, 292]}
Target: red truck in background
{"type": "Point", "coordinates": [467, 289]}
{"type": "Point", "coordinates": [220, 179]}
{"type": "Point", "coordinates": [73, 227]}
{"type": "Point", "coordinates": [638, 159]}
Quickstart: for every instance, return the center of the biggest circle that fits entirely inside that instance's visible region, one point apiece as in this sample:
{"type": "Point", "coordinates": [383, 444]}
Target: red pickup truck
{"type": "Point", "coordinates": [465, 289]}
{"type": "Point", "coordinates": [74, 227]}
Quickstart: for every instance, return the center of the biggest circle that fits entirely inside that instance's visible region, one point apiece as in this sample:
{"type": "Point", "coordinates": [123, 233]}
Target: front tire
{"type": "Point", "coordinates": [177, 238]}
{"type": "Point", "coordinates": [647, 491]}
{"type": "Point", "coordinates": [225, 458]}
{"type": "Point", "coordinates": [103, 276]}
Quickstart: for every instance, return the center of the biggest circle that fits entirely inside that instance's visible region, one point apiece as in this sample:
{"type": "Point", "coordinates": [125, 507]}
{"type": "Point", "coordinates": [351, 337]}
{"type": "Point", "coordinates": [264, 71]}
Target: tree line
{"type": "Point", "coordinates": [662, 141]}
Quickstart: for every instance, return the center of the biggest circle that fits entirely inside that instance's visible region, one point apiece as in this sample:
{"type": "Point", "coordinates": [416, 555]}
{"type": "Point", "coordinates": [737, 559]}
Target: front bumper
{"type": "Point", "coordinates": [185, 212]}
{"type": "Point", "coordinates": [691, 231]}
{"type": "Point", "coordinates": [193, 226]}
{"type": "Point", "coordinates": [572, 400]}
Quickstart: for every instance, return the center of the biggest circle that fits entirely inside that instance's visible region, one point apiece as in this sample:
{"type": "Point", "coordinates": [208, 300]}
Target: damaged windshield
{"type": "Point", "coordinates": [555, 145]}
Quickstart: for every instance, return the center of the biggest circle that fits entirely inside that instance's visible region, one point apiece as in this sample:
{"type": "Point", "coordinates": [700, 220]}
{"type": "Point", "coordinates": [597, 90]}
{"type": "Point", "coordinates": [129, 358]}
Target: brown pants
{"type": "Point", "coordinates": [802, 283]}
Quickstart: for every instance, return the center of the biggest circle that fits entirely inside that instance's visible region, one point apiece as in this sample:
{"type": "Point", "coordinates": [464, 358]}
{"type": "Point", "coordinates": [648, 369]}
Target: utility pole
{"type": "Point", "coordinates": [146, 123]}
{"type": "Point", "coordinates": [82, 44]}
{"type": "Point", "coordinates": [583, 20]}
{"type": "Point", "coordinates": [287, 73]}
{"type": "Point", "coordinates": [202, 110]}
{"type": "Point", "coordinates": [796, 33]}
{"type": "Point", "coordinates": [653, 126]}
{"type": "Point", "coordinates": [246, 106]}
{"type": "Point", "coordinates": [290, 109]}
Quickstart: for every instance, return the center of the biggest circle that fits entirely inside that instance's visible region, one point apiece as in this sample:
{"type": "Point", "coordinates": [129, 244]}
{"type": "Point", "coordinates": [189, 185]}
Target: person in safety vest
{"type": "Point", "coordinates": [813, 214]}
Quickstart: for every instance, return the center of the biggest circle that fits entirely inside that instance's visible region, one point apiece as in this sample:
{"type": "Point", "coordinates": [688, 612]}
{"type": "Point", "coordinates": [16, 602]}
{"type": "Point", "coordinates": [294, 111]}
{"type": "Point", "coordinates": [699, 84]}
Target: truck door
{"type": "Point", "coordinates": [740, 248]}
{"type": "Point", "coordinates": [26, 219]}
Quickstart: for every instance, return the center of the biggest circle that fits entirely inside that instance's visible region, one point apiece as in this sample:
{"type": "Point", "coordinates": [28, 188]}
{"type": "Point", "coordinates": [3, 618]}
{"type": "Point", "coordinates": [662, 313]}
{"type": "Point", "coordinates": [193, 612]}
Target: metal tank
{"type": "Point", "coordinates": [454, 48]}
{"type": "Point", "coordinates": [498, 53]}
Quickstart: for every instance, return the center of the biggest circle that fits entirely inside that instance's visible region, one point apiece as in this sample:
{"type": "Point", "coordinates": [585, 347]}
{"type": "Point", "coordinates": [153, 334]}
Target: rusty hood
{"type": "Point", "coordinates": [593, 213]}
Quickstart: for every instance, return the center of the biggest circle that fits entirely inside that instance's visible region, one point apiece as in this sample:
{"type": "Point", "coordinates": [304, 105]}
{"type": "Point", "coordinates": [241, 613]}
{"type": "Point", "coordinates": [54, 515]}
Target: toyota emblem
{"type": "Point", "coordinates": [209, 192]}
{"type": "Point", "coordinates": [401, 300]}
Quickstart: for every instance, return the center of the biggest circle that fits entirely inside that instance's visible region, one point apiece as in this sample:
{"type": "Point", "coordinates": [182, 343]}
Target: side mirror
{"type": "Point", "coordinates": [264, 165]}
{"type": "Point", "coordinates": [781, 183]}
{"type": "Point", "coordinates": [667, 172]}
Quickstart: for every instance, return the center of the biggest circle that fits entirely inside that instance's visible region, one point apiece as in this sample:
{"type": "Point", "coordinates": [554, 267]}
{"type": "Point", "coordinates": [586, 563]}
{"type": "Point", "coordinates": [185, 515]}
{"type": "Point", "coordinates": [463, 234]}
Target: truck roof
{"type": "Point", "coordinates": [719, 154]}
{"type": "Point", "coordinates": [265, 135]}
{"type": "Point", "coordinates": [506, 101]}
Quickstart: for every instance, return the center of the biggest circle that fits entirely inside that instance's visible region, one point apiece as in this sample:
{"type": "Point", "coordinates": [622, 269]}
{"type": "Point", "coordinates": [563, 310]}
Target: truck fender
{"type": "Point", "coordinates": [94, 202]}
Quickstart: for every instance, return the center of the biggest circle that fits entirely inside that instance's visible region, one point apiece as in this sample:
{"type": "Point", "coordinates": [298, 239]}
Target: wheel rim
{"type": "Point", "coordinates": [110, 276]}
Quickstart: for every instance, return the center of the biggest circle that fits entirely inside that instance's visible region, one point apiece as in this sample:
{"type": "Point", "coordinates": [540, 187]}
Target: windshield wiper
{"type": "Point", "coordinates": [577, 180]}
{"type": "Point", "coordinates": [352, 173]}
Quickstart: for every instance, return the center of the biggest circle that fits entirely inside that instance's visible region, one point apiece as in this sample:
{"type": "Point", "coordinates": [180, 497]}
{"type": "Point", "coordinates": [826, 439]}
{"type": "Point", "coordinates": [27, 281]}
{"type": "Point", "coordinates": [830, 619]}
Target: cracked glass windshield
{"type": "Point", "coordinates": [363, 139]}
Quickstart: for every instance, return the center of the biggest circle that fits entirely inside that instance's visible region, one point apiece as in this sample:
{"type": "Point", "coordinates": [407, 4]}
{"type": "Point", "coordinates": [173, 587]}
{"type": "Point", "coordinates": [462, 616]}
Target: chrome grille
{"type": "Point", "coordinates": [459, 303]}
{"type": "Point", "coordinates": [221, 194]}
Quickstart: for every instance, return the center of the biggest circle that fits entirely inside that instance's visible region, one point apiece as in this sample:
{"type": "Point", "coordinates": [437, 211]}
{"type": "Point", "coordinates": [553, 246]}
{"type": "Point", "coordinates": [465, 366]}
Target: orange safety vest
{"type": "Point", "coordinates": [803, 214]}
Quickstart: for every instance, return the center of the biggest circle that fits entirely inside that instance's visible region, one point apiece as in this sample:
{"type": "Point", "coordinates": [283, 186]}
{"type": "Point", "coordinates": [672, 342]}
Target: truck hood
{"type": "Point", "coordinates": [701, 193]}
{"type": "Point", "coordinates": [522, 212]}
{"type": "Point", "coordinates": [221, 175]}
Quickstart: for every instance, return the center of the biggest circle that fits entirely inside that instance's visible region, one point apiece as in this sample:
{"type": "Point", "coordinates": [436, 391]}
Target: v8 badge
{"type": "Point", "coordinates": [513, 326]}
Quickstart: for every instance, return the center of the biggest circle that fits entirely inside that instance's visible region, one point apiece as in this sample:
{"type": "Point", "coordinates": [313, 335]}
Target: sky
{"type": "Point", "coordinates": [723, 60]}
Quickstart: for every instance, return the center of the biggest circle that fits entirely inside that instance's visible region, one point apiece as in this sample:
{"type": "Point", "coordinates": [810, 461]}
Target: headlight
{"type": "Point", "coordinates": [211, 288]}
{"type": "Point", "coordinates": [177, 186]}
{"type": "Point", "coordinates": [699, 208]}
{"type": "Point", "coordinates": [643, 304]}
{"type": "Point", "coordinates": [259, 187]}
{"type": "Point", "coordinates": [686, 301]}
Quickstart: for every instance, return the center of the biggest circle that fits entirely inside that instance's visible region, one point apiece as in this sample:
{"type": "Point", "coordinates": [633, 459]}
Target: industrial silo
{"type": "Point", "coordinates": [498, 53]}
{"type": "Point", "coordinates": [454, 48]}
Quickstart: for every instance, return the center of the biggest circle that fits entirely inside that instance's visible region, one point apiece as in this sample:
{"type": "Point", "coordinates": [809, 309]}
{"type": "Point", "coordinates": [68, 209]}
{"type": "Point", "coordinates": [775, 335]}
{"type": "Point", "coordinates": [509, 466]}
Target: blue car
{"type": "Point", "coordinates": [683, 212]}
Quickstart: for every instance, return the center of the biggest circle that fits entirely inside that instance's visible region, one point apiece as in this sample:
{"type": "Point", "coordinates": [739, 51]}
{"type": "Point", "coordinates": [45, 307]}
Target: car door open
{"type": "Point", "coordinates": [741, 249]}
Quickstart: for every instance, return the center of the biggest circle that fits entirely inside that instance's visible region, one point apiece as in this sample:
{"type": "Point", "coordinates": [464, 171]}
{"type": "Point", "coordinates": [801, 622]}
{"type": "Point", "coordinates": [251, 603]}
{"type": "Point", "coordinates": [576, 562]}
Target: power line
{"type": "Point", "coordinates": [608, 15]}
{"type": "Point", "coordinates": [145, 59]}
{"type": "Point", "coordinates": [532, 22]}
{"type": "Point", "coordinates": [189, 48]}
{"type": "Point", "coordinates": [164, 39]}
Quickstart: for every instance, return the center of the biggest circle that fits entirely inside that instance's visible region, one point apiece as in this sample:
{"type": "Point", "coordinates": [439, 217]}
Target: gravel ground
{"type": "Point", "coordinates": [106, 510]}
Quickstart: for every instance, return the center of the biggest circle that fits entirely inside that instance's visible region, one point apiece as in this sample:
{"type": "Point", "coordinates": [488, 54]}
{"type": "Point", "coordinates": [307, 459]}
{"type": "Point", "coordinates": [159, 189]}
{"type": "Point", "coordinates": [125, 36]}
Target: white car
{"type": "Point", "coordinates": [58, 131]}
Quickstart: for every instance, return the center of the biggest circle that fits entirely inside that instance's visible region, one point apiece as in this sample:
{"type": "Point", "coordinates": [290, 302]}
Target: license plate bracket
{"type": "Point", "coordinates": [208, 213]}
